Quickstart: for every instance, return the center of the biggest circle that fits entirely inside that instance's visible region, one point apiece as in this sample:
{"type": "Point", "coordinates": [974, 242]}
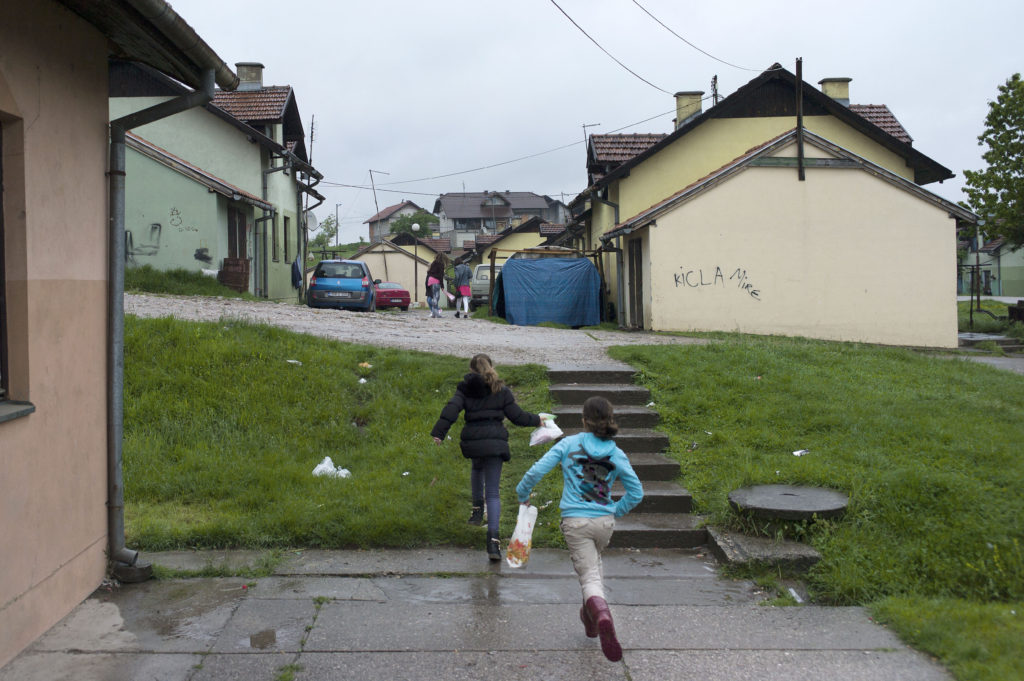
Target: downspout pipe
{"type": "Point", "coordinates": [620, 313]}
{"type": "Point", "coordinates": [124, 559]}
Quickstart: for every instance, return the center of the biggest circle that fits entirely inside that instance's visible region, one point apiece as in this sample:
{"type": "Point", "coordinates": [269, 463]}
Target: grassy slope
{"type": "Point", "coordinates": [928, 450]}
{"type": "Point", "coordinates": [222, 434]}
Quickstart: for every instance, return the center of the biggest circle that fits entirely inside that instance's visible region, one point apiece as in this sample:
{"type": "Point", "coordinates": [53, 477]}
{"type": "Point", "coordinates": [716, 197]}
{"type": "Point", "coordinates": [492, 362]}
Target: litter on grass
{"type": "Point", "coordinates": [801, 452]}
{"type": "Point", "coordinates": [327, 467]}
{"type": "Point", "coordinates": [366, 365]}
{"type": "Point", "coordinates": [362, 380]}
{"type": "Point", "coordinates": [294, 361]}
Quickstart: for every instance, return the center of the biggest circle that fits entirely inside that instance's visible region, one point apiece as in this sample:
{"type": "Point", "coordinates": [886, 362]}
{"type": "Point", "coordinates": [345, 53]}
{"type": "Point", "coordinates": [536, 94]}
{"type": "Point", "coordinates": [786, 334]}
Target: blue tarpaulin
{"type": "Point", "coordinates": [563, 290]}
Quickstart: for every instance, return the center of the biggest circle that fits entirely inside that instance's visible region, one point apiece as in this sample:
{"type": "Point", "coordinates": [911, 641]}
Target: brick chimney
{"type": "Point", "coordinates": [250, 75]}
{"type": "Point", "coordinates": [687, 106]}
{"type": "Point", "coordinates": [837, 88]}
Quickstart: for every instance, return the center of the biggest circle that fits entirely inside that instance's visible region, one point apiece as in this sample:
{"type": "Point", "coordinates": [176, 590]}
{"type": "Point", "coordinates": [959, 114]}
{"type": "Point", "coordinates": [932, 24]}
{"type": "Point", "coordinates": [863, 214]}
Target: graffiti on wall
{"type": "Point", "coordinates": [147, 248]}
{"type": "Point", "coordinates": [176, 221]}
{"type": "Point", "coordinates": [702, 279]}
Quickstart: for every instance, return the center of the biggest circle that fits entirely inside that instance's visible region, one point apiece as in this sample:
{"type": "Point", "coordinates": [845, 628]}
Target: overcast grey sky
{"type": "Point", "coordinates": [426, 89]}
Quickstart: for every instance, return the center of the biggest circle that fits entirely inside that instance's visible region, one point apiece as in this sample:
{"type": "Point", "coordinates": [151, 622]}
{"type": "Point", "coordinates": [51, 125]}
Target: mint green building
{"type": "Point", "coordinates": [223, 188]}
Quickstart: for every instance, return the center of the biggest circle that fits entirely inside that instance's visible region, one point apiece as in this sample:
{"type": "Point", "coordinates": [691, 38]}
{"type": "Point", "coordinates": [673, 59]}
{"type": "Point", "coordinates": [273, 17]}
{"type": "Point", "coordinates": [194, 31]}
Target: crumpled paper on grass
{"type": "Point", "coordinates": [327, 467]}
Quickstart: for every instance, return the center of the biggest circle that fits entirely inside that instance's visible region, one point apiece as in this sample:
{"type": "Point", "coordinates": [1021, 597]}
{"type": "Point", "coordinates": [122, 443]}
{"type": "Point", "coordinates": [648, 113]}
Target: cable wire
{"type": "Point", "coordinates": [606, 51]}
{"type": "Point", "coordinates": [704, 52]}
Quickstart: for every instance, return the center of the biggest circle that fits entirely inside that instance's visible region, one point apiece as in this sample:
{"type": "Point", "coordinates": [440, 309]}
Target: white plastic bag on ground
{"type": "Point", "coordinates": [548, 431]}
{"type": "Point", "coordinates": [327, 467]}
{"type": "Point", "coordinates": [518, 552]}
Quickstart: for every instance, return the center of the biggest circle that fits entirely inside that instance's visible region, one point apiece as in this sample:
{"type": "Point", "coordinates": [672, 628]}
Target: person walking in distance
{"type": "Point", "coordinates": [591, 463]}
{"type": "Point", "coordinates": [487, 402]}
{"type": "Point", "coordinates": [435, 279]}
{"type": "Point", "coordinates": [462, 288]}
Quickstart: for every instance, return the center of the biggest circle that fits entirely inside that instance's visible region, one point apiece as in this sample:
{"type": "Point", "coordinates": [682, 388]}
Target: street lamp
{"type": "Point", "coordinates": [415, 263]}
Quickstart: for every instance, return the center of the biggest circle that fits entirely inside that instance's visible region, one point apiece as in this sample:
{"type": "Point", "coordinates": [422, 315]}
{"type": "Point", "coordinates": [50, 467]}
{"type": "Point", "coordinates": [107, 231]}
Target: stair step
{"type": "Point", "coordinates": [632, 440]}
{"type": "Point", "coordinates": [627, 416]}
{"type": "Point", "coordinates": [660, 496]}
{"type": "Point", "coordinates": [575, 393]}
{"type": "Point", "coordinates": [659, 530]}
{"type": "Point", "coordinates": [650, 466]}
{"type": "Point", "coordinates": [591, 375]}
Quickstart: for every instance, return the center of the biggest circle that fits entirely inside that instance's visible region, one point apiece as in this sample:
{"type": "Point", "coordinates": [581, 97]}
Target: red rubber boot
{"type": "Point", "coordinates": [599, 613]}
{"type": "Point", "coordinates": [589, 625]}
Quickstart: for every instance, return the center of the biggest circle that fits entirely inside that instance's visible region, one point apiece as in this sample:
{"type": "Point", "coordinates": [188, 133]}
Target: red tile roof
{"type": "Point", "coordinates": [619, 148]}
{"type": "Point", "coordinates": [880, 115]}
{"type": "Point", "coordinates": [391, 210]}
{"type": "Point", "coordinates": [551, 228]}
{"type": "Point", "coordinates": [265, 104]}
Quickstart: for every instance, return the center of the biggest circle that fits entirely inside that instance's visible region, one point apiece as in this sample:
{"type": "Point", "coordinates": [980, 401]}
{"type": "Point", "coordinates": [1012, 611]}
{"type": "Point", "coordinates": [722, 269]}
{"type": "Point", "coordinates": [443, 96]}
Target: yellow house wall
{"type": "Point", "coordinates": [387, 265]}
{"type": "Point", "coordinates": [53, 109]}
{"type": "Point", "coordinates": [512, 242]}
{"type": "Point", "coordinates": [809, 251]}
{"type": "Point", "coordinates": [720, 140]}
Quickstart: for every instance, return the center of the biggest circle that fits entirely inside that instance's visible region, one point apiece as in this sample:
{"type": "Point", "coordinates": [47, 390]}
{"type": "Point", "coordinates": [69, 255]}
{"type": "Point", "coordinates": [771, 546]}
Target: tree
{"type": "Point", "coordinates": [325, 237]}
{"type": "Point", "coordinates": [997, 192]}
{"type": "Point", "coordinates": [403, 225]}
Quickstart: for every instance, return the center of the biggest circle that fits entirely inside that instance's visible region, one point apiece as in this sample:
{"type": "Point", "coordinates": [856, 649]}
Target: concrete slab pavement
{"type": "Point", "coordinates": [451, 614]}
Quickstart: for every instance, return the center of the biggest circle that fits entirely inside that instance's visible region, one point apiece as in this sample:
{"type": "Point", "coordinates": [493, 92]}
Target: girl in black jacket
{"type": "Point", "coordinates": [487, 402]}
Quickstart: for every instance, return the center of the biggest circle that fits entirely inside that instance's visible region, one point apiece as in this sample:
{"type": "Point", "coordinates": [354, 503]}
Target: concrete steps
{"type": "Point", "coordinates": [662, 519]}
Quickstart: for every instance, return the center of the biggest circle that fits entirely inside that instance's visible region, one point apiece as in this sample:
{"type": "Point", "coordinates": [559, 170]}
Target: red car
{"type": "Point", "coordinates": [391, 294]}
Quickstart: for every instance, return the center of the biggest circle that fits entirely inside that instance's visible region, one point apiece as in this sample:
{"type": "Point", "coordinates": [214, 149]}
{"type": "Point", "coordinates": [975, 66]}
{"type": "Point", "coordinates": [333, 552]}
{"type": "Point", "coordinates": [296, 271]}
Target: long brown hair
{"type": "Point", "coordinates": [599, 417]}
{"type": "Point", "coordinates": [483, 365]}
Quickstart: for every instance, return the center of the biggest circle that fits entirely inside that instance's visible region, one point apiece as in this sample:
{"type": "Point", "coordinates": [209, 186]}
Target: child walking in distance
{"type": "Point", "coordinates": [591, 462]}
{"type": "Point", "coordinates": [487, 402]}
{"type": "Point", "coordinates": [463, 275]}
{"type": "Point", "coordinates": [435, 280]}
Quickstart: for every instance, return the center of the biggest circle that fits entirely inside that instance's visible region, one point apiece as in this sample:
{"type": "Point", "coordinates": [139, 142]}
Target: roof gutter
{"type": "Point", "coordinates": [125, 561]}
{"type": "Point", "coordinates": [185, 39]}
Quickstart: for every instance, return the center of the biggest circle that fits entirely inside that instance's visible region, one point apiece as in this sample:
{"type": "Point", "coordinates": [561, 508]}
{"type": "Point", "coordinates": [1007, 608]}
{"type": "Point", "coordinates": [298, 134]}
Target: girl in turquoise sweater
{"type": "Point", "coordinates": [591, 462]}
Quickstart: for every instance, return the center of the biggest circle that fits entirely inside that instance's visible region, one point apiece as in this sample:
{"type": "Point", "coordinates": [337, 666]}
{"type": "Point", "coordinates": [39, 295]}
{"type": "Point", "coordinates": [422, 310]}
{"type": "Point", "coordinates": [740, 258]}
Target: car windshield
{"type": "Point", "coordinates": [339, 270]}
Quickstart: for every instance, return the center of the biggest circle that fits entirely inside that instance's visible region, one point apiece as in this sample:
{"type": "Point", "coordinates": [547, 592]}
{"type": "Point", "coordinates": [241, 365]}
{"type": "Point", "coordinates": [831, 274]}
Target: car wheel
{"type": "Point", "coordinates": [404, 308]}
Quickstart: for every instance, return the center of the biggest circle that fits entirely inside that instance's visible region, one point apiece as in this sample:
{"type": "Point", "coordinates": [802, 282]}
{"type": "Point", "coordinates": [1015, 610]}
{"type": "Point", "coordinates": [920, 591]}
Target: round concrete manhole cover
{"type": "Point", "coordinates": [789, 502]}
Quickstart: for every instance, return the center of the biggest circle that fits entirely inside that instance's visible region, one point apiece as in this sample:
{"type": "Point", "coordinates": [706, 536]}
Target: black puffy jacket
{"type": "Point", "coordinates": [484, 433]}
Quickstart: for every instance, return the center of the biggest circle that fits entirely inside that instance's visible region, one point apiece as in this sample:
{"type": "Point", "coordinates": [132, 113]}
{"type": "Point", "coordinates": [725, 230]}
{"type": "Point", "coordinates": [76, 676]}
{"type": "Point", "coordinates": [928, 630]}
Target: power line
{"type": "Point", "coordinates": [704, 52]}
{"type": "Point", "coordinates": [606, 51]}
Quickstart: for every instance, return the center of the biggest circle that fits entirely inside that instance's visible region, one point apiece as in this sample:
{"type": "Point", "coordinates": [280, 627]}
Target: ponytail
{"type": "Point", "coordinates": [483, 365]}
{"type": "Point", "coordinates": [599, 417]}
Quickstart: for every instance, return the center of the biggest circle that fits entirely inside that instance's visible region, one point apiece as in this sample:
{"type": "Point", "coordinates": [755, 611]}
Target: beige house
{"type": "Point", "coordinates": [59, 365]}
{"type": "Point", "coordinates": [406, 265]}
{"type": "Point", "coordinates": [765, 214]}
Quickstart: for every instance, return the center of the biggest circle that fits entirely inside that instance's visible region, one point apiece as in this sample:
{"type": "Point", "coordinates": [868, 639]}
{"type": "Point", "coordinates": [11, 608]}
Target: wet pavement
{"type": "Point", "coordinates": [451, 614]}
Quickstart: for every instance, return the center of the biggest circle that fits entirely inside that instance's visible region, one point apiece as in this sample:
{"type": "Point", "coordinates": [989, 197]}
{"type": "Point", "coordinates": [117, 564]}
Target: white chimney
{"type": "Point", "coordinates": [687, 106]}
{"type": "Point", "coordinates": [837, 88]}
{"type": "Point", "coordinates": [250, 75]}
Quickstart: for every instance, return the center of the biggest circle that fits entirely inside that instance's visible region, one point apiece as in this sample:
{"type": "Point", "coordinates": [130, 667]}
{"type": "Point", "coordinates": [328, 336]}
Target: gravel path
{"type": "Point", "coordinates": [506, 344]}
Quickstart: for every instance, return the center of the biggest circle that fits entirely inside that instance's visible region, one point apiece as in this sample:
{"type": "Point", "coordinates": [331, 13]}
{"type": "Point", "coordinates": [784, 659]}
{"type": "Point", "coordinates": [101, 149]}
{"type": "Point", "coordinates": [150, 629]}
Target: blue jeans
{"type": "Point", "coordinates": [486, 475]}
{"type": "Point", "coordinates": [433, 299]}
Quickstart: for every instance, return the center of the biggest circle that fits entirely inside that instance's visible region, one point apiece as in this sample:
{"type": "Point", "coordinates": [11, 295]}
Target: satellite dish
{"type": "Point", "coordinates": [312, 224]}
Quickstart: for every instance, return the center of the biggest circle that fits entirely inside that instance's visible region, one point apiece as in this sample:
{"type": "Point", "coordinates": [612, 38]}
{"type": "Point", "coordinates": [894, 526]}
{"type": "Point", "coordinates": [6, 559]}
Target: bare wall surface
{"type": "Point", "coordinates": [53, 461]}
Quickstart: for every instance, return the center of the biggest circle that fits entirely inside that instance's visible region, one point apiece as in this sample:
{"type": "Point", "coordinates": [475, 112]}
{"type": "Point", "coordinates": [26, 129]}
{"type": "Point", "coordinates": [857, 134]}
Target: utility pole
{"type": "Point", "coordinates": [374, 187]}
{"type": "Point", "coordinates": [337, 225]}
{"type": "Point", "coordinates": [714, 89]}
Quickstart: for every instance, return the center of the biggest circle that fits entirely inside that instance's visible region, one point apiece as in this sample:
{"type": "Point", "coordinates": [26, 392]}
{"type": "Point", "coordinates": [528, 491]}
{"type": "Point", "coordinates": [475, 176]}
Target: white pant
{"type": "Point", "coordinates": [586, 539]}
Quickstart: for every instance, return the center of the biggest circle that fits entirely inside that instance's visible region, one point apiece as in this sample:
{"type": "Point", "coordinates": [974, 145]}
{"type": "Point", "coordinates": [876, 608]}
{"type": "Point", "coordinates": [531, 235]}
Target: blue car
{"type": "Point", "coordinates": [342, 284]}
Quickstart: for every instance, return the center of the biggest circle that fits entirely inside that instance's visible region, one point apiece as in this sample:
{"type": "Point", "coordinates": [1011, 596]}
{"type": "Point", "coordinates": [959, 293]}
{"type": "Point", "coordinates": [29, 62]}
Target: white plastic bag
{"type": "Point", "coordinates": [548, 431]}
{"type": "Point", "coordinates": [326, 467]}
{"type": "Point", "coordinates": [518, 552]}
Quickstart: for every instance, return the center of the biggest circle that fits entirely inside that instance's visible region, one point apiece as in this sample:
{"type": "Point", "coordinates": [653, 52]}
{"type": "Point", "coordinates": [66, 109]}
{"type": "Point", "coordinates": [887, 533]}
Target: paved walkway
{"type": "Point", "coordinates": [450, 614]}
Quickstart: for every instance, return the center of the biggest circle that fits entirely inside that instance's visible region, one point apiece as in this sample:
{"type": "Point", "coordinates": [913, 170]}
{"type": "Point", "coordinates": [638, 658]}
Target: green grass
{"type": "Point", "coordinates": [928, 450]}
{"type": "Point", "coordinates": [146, 279]}
{"type": "Point", "coordinates": [222, 434]}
